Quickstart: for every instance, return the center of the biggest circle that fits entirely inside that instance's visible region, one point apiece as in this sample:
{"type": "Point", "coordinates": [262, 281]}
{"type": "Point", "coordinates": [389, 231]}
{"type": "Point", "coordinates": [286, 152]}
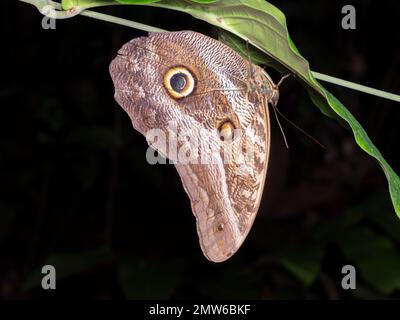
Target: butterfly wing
{"type": "Point", "coordinates": [225, 195]}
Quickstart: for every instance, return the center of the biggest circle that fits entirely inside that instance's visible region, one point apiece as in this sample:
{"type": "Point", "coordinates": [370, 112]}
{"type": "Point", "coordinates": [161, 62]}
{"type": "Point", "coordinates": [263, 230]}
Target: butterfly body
{"type": "Point", "coordinates": [189, 86]}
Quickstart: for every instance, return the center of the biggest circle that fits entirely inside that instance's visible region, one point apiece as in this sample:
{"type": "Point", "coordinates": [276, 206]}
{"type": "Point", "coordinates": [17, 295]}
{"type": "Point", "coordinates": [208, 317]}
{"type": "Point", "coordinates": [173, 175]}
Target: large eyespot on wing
{"type": "Point", "coordinates": [179, 82]}
{"type": "Point", "coordinates": [225, 197]}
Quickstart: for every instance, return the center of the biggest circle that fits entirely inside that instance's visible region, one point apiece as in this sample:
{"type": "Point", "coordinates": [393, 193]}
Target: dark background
{"type": "Point", "coordinates": [76, 190]}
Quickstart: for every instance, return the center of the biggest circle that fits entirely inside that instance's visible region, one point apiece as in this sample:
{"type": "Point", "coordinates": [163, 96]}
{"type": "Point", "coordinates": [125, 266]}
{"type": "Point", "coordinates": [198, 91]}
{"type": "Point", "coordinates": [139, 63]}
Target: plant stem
{"type": "Point", "coordinates": [356, 86]}
{"type": "Point", "coordinates": [60, 14]}
{"type": "Point", "coordinates": [120, 21]}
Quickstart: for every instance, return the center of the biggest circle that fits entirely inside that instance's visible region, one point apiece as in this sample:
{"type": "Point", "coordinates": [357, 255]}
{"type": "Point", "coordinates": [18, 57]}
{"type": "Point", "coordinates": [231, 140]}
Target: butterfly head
{"type": "Point", "coordinates": [274, 96]}
{"type": "Point", "coordinates": [269, 89]}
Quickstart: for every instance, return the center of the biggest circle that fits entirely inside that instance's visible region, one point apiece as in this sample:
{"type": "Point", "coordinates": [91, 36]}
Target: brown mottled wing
{"type": "Point", "coordinates": [224, 196]}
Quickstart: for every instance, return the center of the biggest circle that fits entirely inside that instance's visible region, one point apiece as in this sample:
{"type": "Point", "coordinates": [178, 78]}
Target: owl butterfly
{"type": "Point", "coordinates": [218, 101]}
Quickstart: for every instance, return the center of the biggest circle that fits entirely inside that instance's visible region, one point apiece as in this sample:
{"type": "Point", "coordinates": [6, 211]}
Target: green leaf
{"type": "Point", "coordinates": [249, 52]}
{"type": "Point", "coordinates": [377, 208]}
{"type": "Point", "coordinates": [377, 259]}
{"type": "Point", "coordinates": [303, 261]}
{"type": "Point", "coordinates": [85, 4]}
{"type": "Point", "coordinates": [264, 26]}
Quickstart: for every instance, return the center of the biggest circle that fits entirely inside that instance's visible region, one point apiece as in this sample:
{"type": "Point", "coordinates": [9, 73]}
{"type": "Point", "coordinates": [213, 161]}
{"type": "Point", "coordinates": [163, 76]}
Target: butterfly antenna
{"type": "Point", "coordinates": [280, 126]}
{"type": "Point", "coordinates": [297, 127]}
{"type": "Point", "coordinates": [283, 79]}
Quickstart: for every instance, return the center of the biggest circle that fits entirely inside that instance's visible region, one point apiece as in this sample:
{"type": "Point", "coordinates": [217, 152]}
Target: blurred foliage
{"type": "Point", "coordinates": [359, 240]}
{"type": "Point", "coordinates": [77, 192]}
